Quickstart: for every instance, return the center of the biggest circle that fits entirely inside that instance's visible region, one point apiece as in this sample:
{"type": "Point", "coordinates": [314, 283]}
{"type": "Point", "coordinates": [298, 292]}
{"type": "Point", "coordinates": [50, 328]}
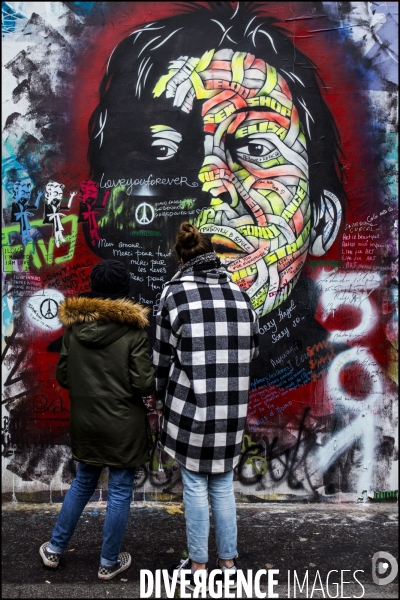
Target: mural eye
{"type": "Point", "coordinates": [164, 149]}
{"type": "Point", "coordinates": [256, 149]}
{"type": "Point", "coordinates": [259, 149]}
{"type": "Point", "coordinates": [166, 141]}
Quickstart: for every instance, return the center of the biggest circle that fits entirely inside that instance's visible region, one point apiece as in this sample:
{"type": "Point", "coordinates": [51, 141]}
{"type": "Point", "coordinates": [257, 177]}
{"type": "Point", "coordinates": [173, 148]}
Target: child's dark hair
{"type": "Point", "coordinates": [190, 242]}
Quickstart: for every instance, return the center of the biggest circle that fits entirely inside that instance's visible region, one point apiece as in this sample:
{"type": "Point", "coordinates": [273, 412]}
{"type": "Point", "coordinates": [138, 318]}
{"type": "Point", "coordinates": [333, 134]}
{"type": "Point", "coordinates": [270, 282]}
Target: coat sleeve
{"type": "Point", "coordinates": [62, 365]}
{"type": "Point", "coordinates": [163, 353]}
{"type": "Point", "coordinates": [141, 371]}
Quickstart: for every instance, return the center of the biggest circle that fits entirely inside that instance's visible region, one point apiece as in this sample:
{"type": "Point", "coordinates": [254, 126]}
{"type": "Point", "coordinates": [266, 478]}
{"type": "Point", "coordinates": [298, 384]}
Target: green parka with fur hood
{"type": "Point", "coordinates": [105, 363]}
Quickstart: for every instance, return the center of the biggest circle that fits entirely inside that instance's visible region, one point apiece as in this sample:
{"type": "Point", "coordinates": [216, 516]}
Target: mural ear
{"type": "Point", "coordinates": [327, 221]}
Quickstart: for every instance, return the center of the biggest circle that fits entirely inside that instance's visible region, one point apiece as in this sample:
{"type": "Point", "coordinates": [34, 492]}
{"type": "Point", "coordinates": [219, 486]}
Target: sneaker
{"type": "Point", "coordinates": [124, 562]}
{"type": "Point", "coordinates": [185, 564]}
{"type": "Point", "coordinates": [50, 559]}
{"type": "Point", "coordinates": [232, 574]}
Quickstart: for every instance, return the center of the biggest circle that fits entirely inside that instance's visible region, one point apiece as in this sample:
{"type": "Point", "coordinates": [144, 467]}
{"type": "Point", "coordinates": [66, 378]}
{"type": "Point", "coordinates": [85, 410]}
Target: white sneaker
{"type": "Point", "coordinates": [184, 564]}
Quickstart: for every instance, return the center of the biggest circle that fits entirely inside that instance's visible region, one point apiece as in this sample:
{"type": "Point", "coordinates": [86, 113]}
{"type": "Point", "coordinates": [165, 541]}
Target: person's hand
{"type": "Point", "coordinates": [159, 413]}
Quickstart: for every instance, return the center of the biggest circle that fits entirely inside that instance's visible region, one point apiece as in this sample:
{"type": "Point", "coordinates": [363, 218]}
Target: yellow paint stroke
{"type": "Point", "coordinates": [174, 510]}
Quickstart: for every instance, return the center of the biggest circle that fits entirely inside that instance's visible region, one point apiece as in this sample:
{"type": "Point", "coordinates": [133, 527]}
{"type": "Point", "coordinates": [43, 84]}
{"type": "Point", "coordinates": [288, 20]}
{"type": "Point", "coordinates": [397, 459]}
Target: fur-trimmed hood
{"type": "Point", "coordinates": [86, 310]}
{"type": "Point", "coordinates": [98, 322]}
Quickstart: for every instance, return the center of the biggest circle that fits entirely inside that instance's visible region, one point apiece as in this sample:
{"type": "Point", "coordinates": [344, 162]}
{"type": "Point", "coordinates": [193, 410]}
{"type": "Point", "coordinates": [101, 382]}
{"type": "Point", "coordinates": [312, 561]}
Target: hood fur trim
{"type": "Point", "coordinates": [86, 310]}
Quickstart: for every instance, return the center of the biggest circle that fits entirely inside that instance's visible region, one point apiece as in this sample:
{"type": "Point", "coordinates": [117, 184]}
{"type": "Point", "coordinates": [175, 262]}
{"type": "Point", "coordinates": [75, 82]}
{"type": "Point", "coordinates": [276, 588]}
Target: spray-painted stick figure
{"type": "Point", "coordinates": [52, 214]}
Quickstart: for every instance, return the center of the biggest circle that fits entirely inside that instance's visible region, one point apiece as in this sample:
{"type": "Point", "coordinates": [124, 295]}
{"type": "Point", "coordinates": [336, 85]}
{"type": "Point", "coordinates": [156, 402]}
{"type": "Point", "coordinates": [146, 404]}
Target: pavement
{"type": "Point", "coordinates": [317, 550]}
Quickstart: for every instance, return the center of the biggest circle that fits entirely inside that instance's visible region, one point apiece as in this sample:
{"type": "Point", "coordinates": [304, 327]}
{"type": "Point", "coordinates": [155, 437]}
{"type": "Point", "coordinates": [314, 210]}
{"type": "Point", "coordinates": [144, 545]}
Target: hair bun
{"type": "Point", "coordinates": [188, 235]}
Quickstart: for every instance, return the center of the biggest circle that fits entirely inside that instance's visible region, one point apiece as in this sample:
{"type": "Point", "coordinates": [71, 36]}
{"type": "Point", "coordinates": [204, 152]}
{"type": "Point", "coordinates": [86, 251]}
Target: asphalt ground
{"type": "Point", "coordinates": [329, 546]}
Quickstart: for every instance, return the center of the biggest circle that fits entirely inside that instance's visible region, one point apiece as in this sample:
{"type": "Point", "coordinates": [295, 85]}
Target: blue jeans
{"type": "Point", "coordinates": [196, 488]}
{"type": "Point", "coordinates": [120, 487]}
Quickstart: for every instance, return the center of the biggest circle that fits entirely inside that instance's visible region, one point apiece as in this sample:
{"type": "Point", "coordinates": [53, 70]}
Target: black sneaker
{"type": "Point", "coordinates": [232, 574]}
{"type": "Point", "coordinates": [50, 559]}
{"type": "Point", "coordinates": [124, 562]}
{"type": "Point", "coordinates": [185, 564]}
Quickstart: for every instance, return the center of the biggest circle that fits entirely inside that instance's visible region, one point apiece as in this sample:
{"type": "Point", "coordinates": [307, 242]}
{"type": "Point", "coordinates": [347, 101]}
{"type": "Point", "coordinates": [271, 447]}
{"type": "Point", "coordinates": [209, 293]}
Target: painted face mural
{"type": "Point", "coordinates": [229, 135]}
{"type": "Point", "coordinates": [270, 125]}
{"type": "Point", "coordinates": [255, 168]}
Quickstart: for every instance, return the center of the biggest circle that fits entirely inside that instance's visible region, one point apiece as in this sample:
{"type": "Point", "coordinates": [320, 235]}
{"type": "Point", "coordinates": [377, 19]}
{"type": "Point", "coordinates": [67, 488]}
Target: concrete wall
{"type": "Point", "coordinates": [222, 120]}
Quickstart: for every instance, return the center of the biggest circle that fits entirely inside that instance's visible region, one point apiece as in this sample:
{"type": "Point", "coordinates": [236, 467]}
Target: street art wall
{"type": "Point", "coordinates": [271, 126]}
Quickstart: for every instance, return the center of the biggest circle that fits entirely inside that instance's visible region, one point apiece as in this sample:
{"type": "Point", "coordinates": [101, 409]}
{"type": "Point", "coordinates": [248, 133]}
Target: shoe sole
{"type": "Point", "coordinates": [46, 561]}
{"type": "Point", "coordinates": [123, 568]}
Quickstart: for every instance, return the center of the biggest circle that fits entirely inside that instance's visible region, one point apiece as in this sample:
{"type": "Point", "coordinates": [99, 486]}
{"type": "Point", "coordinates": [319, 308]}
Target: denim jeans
{"type": "Point", "coordinates": [120, 487]}
{"type": "Point", "coordinates": [196, 489]}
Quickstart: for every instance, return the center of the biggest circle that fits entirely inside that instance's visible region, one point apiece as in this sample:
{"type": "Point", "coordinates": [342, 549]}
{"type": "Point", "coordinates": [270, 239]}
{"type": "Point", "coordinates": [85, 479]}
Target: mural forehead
{"type": "Point", "coordinates": [275, 132]}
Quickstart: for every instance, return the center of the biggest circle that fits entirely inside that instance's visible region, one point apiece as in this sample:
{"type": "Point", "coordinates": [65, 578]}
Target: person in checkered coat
{"type": "Point", "coordinates": [206, 338]}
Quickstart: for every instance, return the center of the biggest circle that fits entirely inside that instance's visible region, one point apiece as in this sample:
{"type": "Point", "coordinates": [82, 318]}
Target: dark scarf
{"type": "Point", "coordinates": [208, 262]}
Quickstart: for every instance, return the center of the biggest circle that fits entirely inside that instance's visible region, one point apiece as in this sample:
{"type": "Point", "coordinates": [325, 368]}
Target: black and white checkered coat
{"type": "Point", "coordinates": [207, 336]}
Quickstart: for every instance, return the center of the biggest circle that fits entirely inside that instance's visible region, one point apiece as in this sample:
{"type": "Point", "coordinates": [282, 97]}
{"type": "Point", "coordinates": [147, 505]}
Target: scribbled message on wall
{"type": "Point", "coordinates": [271, 126]}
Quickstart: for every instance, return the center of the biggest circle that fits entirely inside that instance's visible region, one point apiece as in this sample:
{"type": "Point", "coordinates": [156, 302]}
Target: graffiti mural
{"type": "Point", "coordinates": [272, 127]}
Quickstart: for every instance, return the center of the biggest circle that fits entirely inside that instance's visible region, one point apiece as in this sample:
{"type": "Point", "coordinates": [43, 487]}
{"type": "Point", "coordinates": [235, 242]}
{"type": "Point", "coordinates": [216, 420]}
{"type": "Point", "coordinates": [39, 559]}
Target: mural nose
{"type": "Point", "coordinates": [211, 178]}
{"type": "Point", "coordinates": [217, 184]}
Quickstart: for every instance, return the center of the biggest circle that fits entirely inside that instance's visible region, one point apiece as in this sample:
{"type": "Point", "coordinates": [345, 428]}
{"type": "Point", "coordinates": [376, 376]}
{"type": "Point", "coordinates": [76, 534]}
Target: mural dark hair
{"type": "Point", "coordinates": [140, 59]}
{"type": "Point", "coordinates": [190, 242]}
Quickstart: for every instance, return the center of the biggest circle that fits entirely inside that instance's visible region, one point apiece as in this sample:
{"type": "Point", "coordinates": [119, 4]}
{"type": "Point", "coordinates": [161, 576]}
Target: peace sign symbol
{"type": "Point", "coordinates": [49, 308]}
{"type": "Point", "coordinates": [144, 213]}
